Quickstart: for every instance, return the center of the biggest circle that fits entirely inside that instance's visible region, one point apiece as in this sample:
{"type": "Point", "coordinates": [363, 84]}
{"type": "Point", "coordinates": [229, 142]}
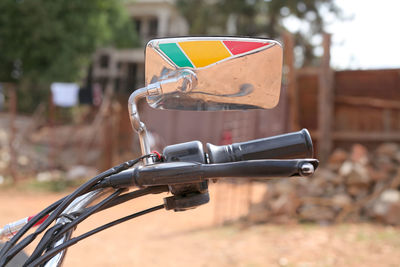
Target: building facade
{"type": "Point", "coordinates": [123, 72]}
{"type": "Point", "coordinates": [123, 69]}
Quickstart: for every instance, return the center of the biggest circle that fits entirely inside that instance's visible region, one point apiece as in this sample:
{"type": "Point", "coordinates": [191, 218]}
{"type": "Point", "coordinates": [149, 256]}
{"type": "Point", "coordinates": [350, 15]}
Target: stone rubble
{"type": "Point", "coordinates": [358, 185]}
{"type": "Point", "coordinates": [34, 149]}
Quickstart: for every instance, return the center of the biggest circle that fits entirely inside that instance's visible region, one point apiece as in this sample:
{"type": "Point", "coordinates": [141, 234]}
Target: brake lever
{"type": "Point", "coordinates": [173, 173]}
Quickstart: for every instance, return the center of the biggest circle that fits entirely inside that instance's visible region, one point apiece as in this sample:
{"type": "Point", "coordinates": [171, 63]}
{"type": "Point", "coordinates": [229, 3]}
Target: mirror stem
{"type": "Point", "coordinates": [183, 80]}
{"type": "Point", "coordinates": [138, 125]}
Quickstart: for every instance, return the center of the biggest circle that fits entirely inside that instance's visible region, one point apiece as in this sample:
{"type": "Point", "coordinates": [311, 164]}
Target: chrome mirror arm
{"type": "Point", "coordinates": [184, 80]}
{"type": "Point", "coordinates": [138, 125]}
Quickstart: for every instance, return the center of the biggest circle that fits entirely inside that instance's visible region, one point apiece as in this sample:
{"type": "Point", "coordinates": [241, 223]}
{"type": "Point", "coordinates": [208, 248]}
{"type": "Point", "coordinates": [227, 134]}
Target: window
{"type": "Point", "coordinates": [104, 61]}
{"type": "Point", "coordinates": [153, 27]}
{"type": "Point", "coordinates": [138, 25]}
{"type": "Point", "coordinates": [131, 78]}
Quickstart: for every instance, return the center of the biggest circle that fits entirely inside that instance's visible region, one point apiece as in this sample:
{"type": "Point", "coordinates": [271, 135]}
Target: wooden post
{"type": "Point", "coordinates": [11, 90]}
{"type": "Point", "coordinates": [249, 197]}
{"type": "Point", "coordinates": [107, 125]}
{"type": "Point", "coordinates": [52, 136]}
{"type": "Point", "coordinates": [116, 118]}
{"type": "Point", "coordinates": [291, 82]}
{"type": "Point", "coordinates": [107, 150]}
{"type": "Point", "coordinates": [387, 119]}
{"type": "Point", "coordinates": [325, 103]}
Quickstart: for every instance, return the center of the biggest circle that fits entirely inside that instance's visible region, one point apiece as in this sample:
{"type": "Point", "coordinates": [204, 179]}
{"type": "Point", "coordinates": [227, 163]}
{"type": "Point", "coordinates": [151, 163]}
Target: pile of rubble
{"type": "Point", "coordinates": [33, 150]}
{"type": "Point", "coordinates": [353, 186]}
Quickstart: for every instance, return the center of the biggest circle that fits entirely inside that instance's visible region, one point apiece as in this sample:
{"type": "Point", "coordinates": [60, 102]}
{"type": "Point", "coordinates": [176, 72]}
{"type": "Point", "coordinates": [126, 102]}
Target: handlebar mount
{"type": "Point", "coordinates": [192, 194]}
{"type": "Point", "coordinates": [189, 195]}
{"type": "Point", "coordinates": [186, 168]}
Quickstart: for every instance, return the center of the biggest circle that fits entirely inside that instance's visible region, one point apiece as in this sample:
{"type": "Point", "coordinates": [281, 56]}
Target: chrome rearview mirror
{"type": "Point", "coordinates": [208, 73]}
{"type": "Point", "coordinates": [214, 73]}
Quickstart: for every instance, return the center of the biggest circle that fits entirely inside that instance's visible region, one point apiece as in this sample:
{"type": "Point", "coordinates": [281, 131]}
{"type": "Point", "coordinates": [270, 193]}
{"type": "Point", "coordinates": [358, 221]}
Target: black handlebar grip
{"type": "Point", "coordinates": [286, 146]}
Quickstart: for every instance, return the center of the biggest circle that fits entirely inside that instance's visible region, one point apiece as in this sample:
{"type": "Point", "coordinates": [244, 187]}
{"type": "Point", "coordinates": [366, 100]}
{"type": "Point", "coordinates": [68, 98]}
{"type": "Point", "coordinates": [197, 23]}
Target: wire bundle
{"type": "Point", "coordinates": [44, 251]}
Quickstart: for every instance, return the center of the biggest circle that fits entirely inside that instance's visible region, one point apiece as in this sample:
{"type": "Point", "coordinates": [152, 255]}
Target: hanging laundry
{"type": "Point", "coordinates": [65, 94]}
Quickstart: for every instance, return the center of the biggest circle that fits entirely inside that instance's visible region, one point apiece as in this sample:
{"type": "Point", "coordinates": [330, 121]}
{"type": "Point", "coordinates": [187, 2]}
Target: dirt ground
{"type": "Point", "coordinates": [165, 238]}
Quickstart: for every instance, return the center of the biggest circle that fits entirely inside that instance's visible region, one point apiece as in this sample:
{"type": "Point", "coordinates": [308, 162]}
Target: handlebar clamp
{"type": "Point", "coordinates": [182, 203]}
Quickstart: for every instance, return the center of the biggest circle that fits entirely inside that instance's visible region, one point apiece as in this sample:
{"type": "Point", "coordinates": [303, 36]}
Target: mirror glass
{"type": "Point", "coordinates": [214, 73]}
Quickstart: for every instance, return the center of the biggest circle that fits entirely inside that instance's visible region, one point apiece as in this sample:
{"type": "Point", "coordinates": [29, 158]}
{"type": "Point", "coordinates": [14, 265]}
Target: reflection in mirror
{"type": "Point", "coordinates": [214, 73]}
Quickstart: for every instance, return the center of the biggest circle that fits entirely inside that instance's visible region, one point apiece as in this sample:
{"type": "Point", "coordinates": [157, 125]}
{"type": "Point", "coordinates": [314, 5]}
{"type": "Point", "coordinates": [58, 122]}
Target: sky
{"type": "Point", "coordinates": [371, 40]}
{"type": "Point", "coordinates": [367, 38]}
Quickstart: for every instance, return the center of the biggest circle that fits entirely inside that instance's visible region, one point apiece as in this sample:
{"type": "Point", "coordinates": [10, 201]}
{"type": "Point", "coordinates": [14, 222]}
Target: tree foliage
{"type": "Point", "coordinates": [44, 40]}
{"type": "Point", "coordinates": [260, 18]}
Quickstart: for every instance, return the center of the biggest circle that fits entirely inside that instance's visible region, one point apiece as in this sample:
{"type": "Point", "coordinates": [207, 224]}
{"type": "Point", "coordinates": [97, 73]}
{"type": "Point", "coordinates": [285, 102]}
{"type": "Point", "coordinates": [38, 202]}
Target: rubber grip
{"type": "Point", "coordinates": [286, 146]}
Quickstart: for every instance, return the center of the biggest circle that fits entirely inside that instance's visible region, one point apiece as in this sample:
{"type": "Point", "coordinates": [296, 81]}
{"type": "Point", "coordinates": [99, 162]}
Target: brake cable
{"type": "Point", "coordinates": [30, 224]}
{"type": "Point", "coordinates": [62, 228]}
{"type": "Point", "coordinates": [48, 255]}
{"type": "Point", "coordinates": [8, 251]}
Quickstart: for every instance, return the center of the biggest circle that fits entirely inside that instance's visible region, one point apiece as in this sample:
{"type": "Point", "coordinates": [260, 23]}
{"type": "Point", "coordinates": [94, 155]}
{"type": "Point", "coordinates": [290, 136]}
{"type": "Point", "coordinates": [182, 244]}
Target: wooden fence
{"type": "Point", "coordinates": [366, 106]}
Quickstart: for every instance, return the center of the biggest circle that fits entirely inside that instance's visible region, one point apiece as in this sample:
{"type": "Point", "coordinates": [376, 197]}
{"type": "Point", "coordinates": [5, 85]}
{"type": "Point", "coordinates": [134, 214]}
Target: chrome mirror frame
{"type": "Point", "coordinates": [208, 73]}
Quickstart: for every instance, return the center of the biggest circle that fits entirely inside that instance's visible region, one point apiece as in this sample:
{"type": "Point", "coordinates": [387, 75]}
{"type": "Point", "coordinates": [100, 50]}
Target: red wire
{"type": "Point", "coordinates": [158, 154]}
{"type": "Point", "coordinates": [40, 221]}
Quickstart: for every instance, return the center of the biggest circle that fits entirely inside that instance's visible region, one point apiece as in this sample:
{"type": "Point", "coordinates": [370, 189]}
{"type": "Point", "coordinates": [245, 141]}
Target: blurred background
{"type": "Point", "coordinates": [67, 69]}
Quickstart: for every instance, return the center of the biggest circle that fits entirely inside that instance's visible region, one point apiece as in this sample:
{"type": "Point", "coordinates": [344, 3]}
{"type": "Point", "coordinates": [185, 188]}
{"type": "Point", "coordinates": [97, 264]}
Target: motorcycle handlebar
{"type": "Point", "coordinates": [286, 146]}
{"type": "Point", "coordinates": [266, 157]}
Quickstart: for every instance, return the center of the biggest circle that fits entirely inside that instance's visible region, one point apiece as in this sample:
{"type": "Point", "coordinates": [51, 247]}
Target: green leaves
{"type": "Point", "coordinates": [53, 40]}
{"type": "Point", "coordinates": [259, 18]}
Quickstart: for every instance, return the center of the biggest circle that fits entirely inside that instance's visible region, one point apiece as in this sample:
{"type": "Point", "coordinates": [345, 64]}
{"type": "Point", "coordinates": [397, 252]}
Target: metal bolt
{"type": "Point", "coordinates": [306, 169]}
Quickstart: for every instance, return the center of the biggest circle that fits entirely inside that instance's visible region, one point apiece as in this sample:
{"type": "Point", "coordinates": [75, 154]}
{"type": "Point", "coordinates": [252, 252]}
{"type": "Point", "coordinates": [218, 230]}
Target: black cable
{"type": "Point", "coordinates": [11, 252]}
{"type": "Point", "coordinates": [54, 215]}
{"type": "Point", "coordinates": [52, 234]}
{"type": "Point", "coordinates": [85, 187]}
{"type": "Point", "coordinates": [48, 255]}
{"type": "Point", "coordinates": [29, 225]}
{"type": "Point", "coordinates": [88, 212]}
{"type": "Point", "coordinates": [135, 194]}
{"type": "Point", "coordinates": [47, 237]}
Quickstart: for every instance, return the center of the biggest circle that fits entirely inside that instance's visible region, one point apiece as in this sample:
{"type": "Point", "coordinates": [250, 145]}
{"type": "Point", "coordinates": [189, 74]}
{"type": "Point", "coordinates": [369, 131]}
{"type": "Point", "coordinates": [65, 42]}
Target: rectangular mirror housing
{"type": "Point", "coordinates": [213, 73]}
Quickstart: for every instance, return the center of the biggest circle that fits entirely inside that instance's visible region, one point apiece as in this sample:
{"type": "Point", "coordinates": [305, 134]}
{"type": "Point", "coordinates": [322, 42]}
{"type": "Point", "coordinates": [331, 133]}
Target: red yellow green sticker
{"type": "Point", "coordinates": [202, 53]}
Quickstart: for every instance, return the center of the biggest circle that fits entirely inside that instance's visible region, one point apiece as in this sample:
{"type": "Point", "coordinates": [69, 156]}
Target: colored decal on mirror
{"type": "Point", "coordinates": [240, 47]}
{"type": "Point", "coordinates": [198, 54]}
{"type": "Point", "coordinates": [175, 54]}
{"type": "Point", "coordinates": [204, 53]}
